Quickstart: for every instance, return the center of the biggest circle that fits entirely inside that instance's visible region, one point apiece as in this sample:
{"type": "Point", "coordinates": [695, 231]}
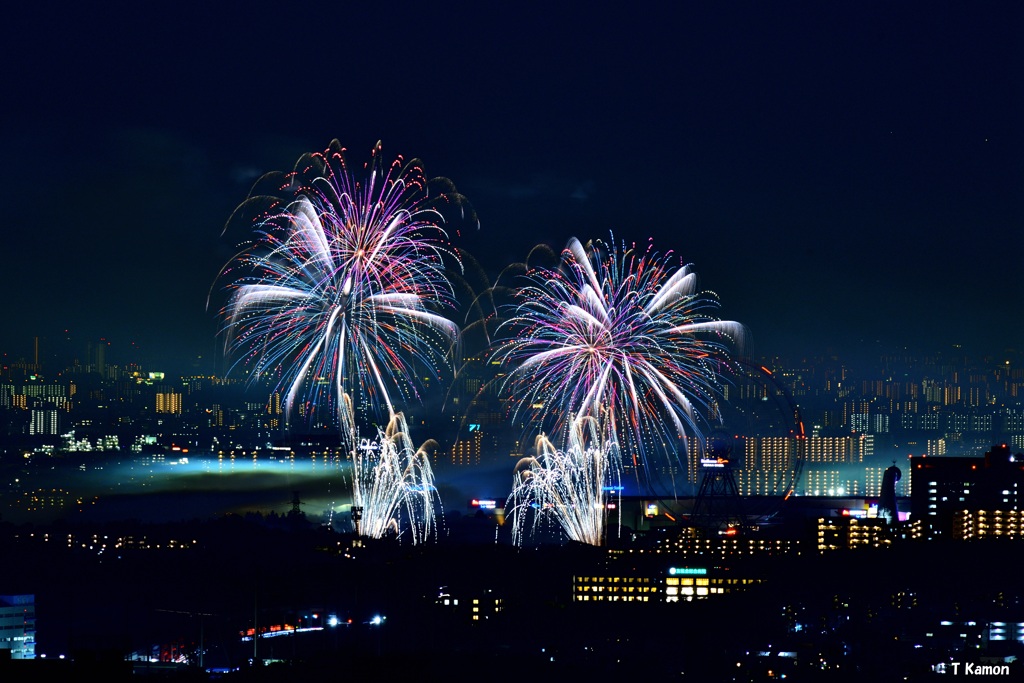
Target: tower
{"type": "Point", "coordinates": [718, 505]}
{"type": "Point", "coordinates": [887, 500]}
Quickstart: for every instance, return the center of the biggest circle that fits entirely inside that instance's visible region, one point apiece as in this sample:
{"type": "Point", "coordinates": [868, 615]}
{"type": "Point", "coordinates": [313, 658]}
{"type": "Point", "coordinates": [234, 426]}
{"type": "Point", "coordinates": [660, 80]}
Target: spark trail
{"type": "Point", "coordinates": [621, 336]}
{"type": "Point", "coordinates": [567, 486]}
{"type": "Point", "coordinates": [393, 484]}
{"type": "Point", "coordinates": [337, 294]}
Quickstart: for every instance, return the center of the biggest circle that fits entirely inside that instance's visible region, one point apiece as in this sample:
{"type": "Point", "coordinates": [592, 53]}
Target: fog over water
{"type": "Point", "coordinates": [201, 485]}
{"type": "Point", "coordinates": [195, 485]}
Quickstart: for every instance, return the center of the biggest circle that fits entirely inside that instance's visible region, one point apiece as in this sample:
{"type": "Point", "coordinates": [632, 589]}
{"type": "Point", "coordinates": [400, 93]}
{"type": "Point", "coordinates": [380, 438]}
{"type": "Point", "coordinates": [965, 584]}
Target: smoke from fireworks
{"type": "Point", "coordinates": [621, 336]}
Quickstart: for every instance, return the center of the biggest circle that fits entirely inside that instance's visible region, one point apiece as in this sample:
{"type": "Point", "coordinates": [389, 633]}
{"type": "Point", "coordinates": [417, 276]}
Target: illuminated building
{"type": "Point", "coordinates": [614, 588]}
{"type": "Point", "coordinates": [467, 451]}
{"type": "Point", "coordinates": [849, 533]}
{"type": "Point", "coordinates": [18, 625]}
{"type": "Point", "coordinates": [768, 461]}
{"type": "Point", "coordinates": [1012, 420]}
{"type": "Point", "coordinates": [825, 483]}
{"type": "Point", "coordinates": [873, 481]}
{"type": "Point", "coordinates": [274, 404]}
{"type": "Point", "coordinates": [479, 605]}
{"type": "Point", "coordinates": [760, 482]}
{"type": "Point", "coordinates": [168, 402]}
{"type": "Point", "coordinates": [839, 449]}
{"type": "Point", "coordinates": [968, 524]}
{"type": "Point", "coordinates": [684, 584]}
{"type": "Point", "coordinates": [692, 543]}
{"type": "Point", "coordinates": [941, 487]}
{"type": "Point", "coordinates": [44, 420]}
{"type": "Point", "coordinates": [769, 453]}
{"type": "Point", "coordinates": [674, 584]}
{"type": "Point", "coordinates": [52, 392]}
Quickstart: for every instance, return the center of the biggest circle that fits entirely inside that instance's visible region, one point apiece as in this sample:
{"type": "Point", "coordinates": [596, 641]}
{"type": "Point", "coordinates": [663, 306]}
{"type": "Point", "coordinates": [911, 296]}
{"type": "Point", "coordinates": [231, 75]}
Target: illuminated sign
{"type": "Point", "coordinates": [474, 428]}
{"type": "Point", "coordinates": [687, 571]}
{"type": "Point", "coordinates": [484, 504]}
{"type": "Point", "coordinates": [613, 488]}
{"type": "Point", "coordinates": [652, 510]}
{"type": "Point", "coordinates": [713, 462]}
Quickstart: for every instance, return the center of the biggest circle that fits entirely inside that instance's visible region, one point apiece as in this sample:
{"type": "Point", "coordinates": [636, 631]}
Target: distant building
{"type": "Point", "coordinates": [968, 524]}
{"type": "Point", "coordinates": [768, 462]}
{"type": "Point", "coordinates": [18, 625]}
{"type": "Point", "coordinates": [44, 420]}
{"type": "Point", "coordinates": [168, 402]}
{"type": "Point", "coordinates": [466, 451]}
{"type": "Point", "coordinates": [683, 584]}
{"type": "Point", "coordinates": [696, 543]}
{"type": "Point", "coordinates": [473, 605]}
{"type": "Point", "coordinates": [674, 584]}
{"type": "Point", "coordinates": [850, 533]}
{"type": "Point", "coordinates": [614, 588]}
{"type": "Point", "coordinates": [942, 487]}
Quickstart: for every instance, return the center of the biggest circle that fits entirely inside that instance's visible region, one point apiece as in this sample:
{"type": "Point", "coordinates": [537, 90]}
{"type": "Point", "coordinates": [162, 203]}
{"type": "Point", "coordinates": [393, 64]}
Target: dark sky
{"type": "Point", "coordinates": [839, 173]}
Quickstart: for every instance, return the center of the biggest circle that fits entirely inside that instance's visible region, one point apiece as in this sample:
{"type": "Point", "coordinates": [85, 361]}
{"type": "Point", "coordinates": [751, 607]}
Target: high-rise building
{"type": "Point", "coordinates": [168, 402]}
{"type": "Point", "coordinates": [274, 404]}
{"type": "Point", "coordinates": [44, 420]}
{"type": "Point", "coordinates": [824, 483]}
{"type": "Point", "coordinates": [941, 487]}
{"type": "Point", "coordinates": [467, 451]}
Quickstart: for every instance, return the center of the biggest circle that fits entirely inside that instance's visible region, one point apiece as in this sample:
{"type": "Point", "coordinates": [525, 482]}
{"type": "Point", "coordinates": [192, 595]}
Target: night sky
{"type": "Point", "coordinates": [843, 175]}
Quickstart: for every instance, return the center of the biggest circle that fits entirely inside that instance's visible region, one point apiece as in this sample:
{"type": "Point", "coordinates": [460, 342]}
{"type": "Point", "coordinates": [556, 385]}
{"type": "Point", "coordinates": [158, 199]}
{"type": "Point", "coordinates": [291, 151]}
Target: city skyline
{"type": "Point", "coordinates": [839, 176]}
{"type": "Point", "coordinates": [773, 427]}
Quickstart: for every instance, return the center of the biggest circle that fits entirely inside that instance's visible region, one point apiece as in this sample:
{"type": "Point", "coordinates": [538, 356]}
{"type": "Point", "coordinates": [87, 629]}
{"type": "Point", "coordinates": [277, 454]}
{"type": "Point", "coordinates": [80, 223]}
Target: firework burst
{"type": "Point", "coordinates": [620, 336]}
{"type": "Point", "coordinates": [338, 291]}
{"type": "Point", "coordinates": [393, 484]}
{"type": "Point", "coordinates": [568, 486]}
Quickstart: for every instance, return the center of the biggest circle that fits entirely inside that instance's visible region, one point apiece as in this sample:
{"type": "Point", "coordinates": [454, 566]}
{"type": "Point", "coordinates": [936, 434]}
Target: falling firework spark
{"type": "Point", "coordinates": [393, 483]}
{"type": "Point", "coordinates": [336, 295]}
{"type": "Point", "coordinates": [618, 335]}
{"type": "Point", "coordinates": [568, 486]}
